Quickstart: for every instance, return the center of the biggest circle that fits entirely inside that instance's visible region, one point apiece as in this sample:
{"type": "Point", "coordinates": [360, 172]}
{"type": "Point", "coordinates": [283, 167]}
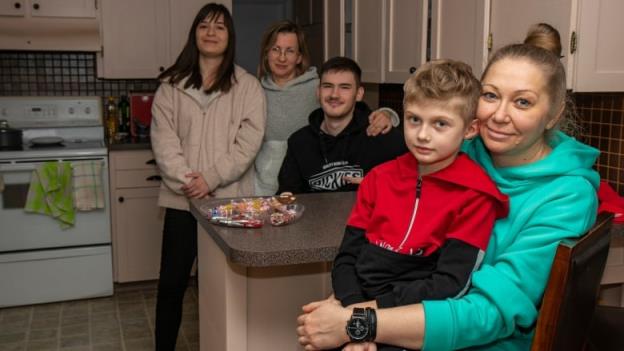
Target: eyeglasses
{"type": "Point", "coordinates": [288, 52]}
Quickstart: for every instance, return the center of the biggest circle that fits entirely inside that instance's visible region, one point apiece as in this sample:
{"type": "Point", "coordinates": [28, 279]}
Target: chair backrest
{"type": "Point", "coordinates": [571, 293]}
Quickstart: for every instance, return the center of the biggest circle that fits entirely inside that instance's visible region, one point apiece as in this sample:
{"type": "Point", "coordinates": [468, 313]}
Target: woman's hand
{"type": "Point", "coordinates": [353, 180]}
{"type": "Point", "coordinates": [322, 325]}
{"type": "Point", "coordinates": [197, 188]}
{"type": "Point", "coordinates": [379, 122]}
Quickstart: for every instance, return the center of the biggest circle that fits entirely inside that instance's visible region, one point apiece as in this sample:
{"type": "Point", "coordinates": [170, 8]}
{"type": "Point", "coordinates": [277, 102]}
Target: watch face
{"type": "Point", "coordinates": [357, 329]}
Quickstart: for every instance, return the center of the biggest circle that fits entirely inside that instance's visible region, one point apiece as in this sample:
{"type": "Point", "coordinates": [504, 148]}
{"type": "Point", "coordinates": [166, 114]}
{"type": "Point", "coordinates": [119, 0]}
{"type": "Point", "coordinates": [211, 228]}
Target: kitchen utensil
{"type": "Point", "coordinates": [10, 138]}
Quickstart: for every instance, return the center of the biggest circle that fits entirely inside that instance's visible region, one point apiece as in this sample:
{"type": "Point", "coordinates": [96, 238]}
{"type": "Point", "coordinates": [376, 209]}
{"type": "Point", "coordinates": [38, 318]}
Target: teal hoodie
{"type": "Point", "coordinates": [551, 199]}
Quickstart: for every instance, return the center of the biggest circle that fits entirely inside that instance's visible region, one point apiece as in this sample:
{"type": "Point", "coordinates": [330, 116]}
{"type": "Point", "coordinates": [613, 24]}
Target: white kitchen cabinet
{"type": "Point", "coordinates": [387, 38]}
{"type": "Point", "coordinates": [141, 38]}
{"type": "Point", "coordinates": [599, 62]}
{"type": "Point", "coordinates": [368, 33]}
{"type": "Point", "coordinates": [459, 31]}
{"type": "Point", "coordinates": [69, 25]}
{"type": "Point", "coordinates": [590, 35]}
{"type": "Point", "coordinates": [405, 39]}
{"type": "Point", "coordinates": [137, 221]}
{"type": "Point", "coordinates": [590, 31]}
{"type": "Point", "coordinates": [510, 22]}
{"type": "Point", "coordinates": [49, 8]}
{"type": "Point", "coordinates": [334, 35]}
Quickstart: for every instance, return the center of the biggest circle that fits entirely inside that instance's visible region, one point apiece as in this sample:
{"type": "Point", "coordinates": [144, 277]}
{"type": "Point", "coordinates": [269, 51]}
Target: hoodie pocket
{"type": "Point", "coordinates": [379, 269]}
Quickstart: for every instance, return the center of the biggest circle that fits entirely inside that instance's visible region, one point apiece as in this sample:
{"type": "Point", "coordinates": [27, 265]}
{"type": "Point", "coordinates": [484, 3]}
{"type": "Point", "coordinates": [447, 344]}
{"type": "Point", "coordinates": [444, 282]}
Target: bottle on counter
{"type": "Point", "coordinates": [112, 119]}
{"type": "Point", "coordinates": [124, 117]}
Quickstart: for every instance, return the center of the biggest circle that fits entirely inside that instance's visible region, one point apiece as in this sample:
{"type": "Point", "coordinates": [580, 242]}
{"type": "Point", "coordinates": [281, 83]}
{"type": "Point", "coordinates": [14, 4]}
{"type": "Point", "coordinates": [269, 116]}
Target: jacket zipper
{"type": "Point", "coordinates": [409, 228]}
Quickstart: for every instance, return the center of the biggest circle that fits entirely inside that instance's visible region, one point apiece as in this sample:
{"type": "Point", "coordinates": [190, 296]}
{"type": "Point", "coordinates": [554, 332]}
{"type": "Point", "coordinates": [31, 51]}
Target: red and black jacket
{"type": "Point", "coordinates": [411, 238]}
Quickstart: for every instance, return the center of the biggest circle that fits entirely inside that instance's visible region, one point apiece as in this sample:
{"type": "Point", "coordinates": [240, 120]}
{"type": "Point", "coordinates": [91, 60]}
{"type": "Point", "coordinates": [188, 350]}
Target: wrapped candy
{"type": "Point", "coordinates": [254, 212]}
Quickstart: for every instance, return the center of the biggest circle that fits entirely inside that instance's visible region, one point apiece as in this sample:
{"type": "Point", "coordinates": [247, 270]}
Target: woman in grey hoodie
{"type": "Point", "coordinates": [290, 84]}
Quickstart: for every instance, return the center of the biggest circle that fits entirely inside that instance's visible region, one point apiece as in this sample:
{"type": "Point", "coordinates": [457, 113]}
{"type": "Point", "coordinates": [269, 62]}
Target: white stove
{"type": "Point", "coordinates": [55, 126]}
{"type": "Point", "coordinates": [40, 261]}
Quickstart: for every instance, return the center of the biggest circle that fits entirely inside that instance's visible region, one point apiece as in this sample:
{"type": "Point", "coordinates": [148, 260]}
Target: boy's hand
{"type": "Point", "coordinates": [379, 122]}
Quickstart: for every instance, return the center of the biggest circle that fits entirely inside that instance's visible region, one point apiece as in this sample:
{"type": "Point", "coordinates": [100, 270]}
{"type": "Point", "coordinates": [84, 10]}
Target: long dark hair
{"type": "Point", "coordinates": [187, 63]}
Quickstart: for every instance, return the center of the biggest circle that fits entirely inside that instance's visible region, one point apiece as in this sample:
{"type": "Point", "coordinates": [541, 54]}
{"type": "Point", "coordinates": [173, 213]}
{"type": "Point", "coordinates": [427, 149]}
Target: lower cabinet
{"type": "Point", "coordinates": [137, 221]}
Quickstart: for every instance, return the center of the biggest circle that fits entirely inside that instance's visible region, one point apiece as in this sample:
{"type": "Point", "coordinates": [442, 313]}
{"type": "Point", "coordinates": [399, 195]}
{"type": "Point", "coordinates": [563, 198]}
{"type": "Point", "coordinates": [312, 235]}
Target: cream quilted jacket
{"type": "Point", "coordinates": [219, 140]}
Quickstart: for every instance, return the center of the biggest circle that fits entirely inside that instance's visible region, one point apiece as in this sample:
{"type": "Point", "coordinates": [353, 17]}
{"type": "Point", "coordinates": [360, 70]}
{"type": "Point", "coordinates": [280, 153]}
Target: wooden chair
{"type": "Point", "coordinates": [571, 293]}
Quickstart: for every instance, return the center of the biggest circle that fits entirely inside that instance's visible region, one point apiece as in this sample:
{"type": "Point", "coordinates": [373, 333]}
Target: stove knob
{"type": "Point", "coordinates": [87, 110]}
{"type": "Point", "coordinates": [71, 111]}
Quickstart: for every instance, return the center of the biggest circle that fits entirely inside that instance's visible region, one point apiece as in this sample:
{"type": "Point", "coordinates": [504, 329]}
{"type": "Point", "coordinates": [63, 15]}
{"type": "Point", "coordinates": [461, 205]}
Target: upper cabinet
{"type": "Point", "coordinates": [510, 22]}
{"type": "Point", "coordinates": [387, 38]}
{"type": "Point", "coordinates": [459, 30]}
{"type": "Point", "coordinates": [134, 39]}
{"type": "Point", "coordinates": [590, 35]}
{"type": "Point", "coordinates": [405, 38]}
{"type": "Point", "coordinates": [141, 38]}
{"type": "Point", "coordinates": [70, 25]}
{"type": "Point", "coordinates": [599, 52]}
{"type": "Point", "coordinates": [49, 8]}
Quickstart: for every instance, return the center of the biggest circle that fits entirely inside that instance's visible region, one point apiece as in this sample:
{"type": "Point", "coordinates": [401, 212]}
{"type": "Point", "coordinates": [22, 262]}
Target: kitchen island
{"type": "Point", "coordinates": [253, 282]}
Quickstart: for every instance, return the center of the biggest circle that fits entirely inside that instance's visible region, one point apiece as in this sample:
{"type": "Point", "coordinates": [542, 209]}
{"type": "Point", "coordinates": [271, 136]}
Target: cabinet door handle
{"type": "Point", "coordinates": [154, 178]}
{"type": "Point", "coordinates": [161, 68]}
{"type": "Point", "coordinates": [412, 69]}
{"type": "Point", "coordinates": [120, 199]}
{"type": "Point", "coordinates": [36, 6]}
{"type": "Point", "coordinates": [17, 5]}
{"type": "Point", "coordinates": [151, 162]}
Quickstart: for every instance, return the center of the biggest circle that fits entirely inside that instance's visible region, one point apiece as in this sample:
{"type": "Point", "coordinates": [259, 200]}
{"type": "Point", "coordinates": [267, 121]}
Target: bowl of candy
{"type": "Point", "coordinates": [253, 212]}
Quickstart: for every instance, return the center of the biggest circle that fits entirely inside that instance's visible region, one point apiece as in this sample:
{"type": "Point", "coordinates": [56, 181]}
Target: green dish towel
{"type": "Point", "coordinates": [50, 192]}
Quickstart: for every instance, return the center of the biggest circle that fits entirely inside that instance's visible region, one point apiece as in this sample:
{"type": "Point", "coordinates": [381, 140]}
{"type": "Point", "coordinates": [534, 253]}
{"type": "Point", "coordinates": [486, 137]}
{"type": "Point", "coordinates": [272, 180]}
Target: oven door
{"type": "Point", "coordinates": [20, 230]}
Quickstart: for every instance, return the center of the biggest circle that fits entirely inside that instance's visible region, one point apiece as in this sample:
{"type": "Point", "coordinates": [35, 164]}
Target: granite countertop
{"type": "Point", "coordinates": [129, 144]}
{"type": "Point", "coordinates": [315, 237]}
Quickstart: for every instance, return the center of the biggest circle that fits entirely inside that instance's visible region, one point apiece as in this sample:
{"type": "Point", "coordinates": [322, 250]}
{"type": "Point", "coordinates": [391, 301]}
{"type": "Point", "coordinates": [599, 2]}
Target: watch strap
{"type": "Point", "coordinates": [372, 323]}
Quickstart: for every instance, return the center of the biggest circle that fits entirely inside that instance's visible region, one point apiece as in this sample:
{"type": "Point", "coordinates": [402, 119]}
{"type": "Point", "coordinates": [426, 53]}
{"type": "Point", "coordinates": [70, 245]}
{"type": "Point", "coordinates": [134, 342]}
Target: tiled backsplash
{"type": "Point", "coordinates": [602, 117]}
{"type": "Point", "coordinates": [60, 73]}
{"type": "Point", "coordinates": [602, 121]}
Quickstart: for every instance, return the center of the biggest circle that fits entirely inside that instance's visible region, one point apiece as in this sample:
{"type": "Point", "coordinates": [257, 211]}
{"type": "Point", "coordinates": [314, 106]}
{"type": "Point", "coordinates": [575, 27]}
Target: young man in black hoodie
{"type": "Point", "coordinates": [333, 152]}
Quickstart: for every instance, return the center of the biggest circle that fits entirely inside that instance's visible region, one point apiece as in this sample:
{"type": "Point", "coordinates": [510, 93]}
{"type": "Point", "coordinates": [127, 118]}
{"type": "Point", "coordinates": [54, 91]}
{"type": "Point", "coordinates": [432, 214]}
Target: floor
{"type": "Point", "coordinates": [123, 322]}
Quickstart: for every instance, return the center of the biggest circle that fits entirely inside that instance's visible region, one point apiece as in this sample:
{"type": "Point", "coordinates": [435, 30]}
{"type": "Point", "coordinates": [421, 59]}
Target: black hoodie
{"type": "Point", "coordinates": [316, 161]}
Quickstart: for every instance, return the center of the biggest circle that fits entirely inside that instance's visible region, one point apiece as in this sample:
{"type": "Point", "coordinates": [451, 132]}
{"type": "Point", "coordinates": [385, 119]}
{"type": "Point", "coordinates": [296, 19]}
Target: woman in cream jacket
{"type": "Point", "coordinates": [209, 117]}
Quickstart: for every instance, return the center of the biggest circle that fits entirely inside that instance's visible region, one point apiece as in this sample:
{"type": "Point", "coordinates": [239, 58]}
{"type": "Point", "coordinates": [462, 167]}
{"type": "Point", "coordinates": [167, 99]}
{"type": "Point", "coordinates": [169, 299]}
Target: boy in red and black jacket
{"type": "Point", "coordinates": [422, 222]}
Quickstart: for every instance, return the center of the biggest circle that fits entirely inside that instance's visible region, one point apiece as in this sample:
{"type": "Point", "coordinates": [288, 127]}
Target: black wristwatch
{"type": "Point", "coordinates": [363, 325]}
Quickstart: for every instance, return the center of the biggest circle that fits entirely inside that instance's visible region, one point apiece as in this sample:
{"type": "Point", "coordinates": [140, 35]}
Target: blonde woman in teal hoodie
{"type": "Point", "coordinates": [551, 185]}
{"type": "Point", "coordinates": [290, 85]}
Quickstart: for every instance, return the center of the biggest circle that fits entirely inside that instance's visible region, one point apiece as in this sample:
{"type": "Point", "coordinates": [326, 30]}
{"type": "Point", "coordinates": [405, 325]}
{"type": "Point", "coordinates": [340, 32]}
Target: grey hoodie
{"type": "Point", "coordinates": [288, 108]}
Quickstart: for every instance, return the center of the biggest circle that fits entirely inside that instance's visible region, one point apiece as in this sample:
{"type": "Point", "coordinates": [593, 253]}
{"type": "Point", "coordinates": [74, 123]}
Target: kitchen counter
{"type": "Point", "coordinates": [315, 237]}
{"type": "Point", "coordinates": [253, 282]}
{"type": "Point", "coordinates": [129, 144]}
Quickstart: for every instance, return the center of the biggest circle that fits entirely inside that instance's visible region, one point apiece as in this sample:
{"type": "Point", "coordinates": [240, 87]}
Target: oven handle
{"type": "Point", "coordinates": [17, 167]}
{"type": "Point", "coordinates": [31, 166]}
